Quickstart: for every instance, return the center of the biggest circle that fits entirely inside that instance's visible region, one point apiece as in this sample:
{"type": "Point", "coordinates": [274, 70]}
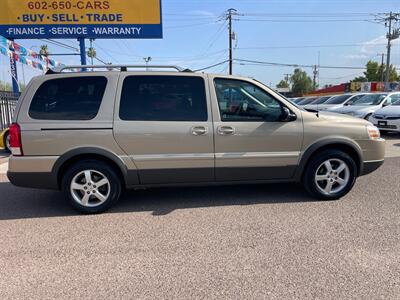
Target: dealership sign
{"type": "Point", "coordinates": [29, 19]}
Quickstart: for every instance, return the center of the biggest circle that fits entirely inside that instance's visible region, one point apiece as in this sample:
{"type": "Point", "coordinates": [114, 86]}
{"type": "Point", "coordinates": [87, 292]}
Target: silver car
{"type": "Point", "coordinates": [316, 103]}
{"type": "Point", "coordinates": [367, 105]}
{"type": "Point", "coordinates": [339, 101]}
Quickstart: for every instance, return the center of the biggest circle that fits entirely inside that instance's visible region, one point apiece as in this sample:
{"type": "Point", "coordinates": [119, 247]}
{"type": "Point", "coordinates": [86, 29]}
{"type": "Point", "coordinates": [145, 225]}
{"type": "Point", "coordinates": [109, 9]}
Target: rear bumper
{"type": "Point", "coordinates": [35, 180]}
{"type": "Point", "coordinates": [371, 166]}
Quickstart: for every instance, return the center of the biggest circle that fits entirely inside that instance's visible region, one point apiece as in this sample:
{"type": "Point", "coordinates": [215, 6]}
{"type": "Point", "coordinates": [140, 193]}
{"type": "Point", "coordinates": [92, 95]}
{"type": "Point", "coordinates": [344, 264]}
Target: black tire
{"type": "Point", "coordinates": [112, 189]}
{"type": "Point", "coordinates": [309, 176]}
{"type": "Point", "coordinates": [6, 142]}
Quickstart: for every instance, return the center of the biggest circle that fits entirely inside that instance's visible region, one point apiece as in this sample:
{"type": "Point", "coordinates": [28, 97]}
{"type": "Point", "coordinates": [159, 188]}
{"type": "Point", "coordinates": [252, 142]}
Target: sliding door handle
{"type": "Point", "coordinates": [226, 130]}
{"type": "Point", "coordinates": [199, 130]}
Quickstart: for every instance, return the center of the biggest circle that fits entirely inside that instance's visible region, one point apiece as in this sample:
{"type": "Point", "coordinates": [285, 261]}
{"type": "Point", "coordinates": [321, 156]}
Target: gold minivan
{"type": "Point", "coordinates": [93, 134]}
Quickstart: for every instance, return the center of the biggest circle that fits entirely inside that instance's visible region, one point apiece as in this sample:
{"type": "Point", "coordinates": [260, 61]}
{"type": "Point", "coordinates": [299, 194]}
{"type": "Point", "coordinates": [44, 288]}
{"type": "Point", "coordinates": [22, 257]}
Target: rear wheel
{"type": "Point", "coordinates": [330, 175]}
{"type": "Point", "coordinates": [7, 142]}
{"type": "Point", "coordinates": [91, 186]}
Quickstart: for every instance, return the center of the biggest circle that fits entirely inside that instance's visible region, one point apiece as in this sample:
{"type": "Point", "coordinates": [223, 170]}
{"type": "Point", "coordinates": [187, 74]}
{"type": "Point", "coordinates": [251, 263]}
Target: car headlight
{"type": "Point", "coordinates": [373, 132]}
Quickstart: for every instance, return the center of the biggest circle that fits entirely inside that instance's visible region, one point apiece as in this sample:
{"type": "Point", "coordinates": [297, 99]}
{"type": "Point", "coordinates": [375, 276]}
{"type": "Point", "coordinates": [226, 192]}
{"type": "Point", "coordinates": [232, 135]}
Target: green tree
{"type": "Point", "coordinates": [91, 53]}
{"type": "Point", "coordinates": [282, 84]}
{"type": "Point", "coordinates": [360, 79]}
{"type": "Point", "coordinates": [377, 72]}
{"type": "Point", "coordinates": [301, 82]}
{"type": "Point", "coordinates": [7, 86]}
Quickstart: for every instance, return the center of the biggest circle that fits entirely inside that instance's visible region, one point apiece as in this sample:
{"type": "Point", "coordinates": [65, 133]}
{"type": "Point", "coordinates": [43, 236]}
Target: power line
{"type": "Point", "coordinates": [59, 44]}
{"type": "Point", "coordinates": [305, 46]}
{"type": "Point", "coordinates": [212, 66]}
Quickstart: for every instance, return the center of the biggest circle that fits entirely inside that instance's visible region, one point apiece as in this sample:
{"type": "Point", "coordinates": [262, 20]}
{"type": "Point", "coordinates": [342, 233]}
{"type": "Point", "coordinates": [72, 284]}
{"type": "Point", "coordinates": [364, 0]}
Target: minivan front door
{"type": "Point", "coordinates": [164, 124]}
{"type": "Point", "coordinates": [252, 141]}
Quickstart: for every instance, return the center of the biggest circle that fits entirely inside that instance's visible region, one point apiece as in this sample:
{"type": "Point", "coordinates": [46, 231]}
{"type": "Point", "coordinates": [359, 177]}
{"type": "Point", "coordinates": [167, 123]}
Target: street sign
{"type": "Point", "coordinates": [30, 19]}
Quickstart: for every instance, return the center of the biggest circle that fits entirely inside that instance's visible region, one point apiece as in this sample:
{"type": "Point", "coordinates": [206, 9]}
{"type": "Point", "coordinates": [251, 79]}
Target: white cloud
{"type": "Point", "coordinates": [371, 48]}
{"type": "Point", "coordinates": [203, 13]}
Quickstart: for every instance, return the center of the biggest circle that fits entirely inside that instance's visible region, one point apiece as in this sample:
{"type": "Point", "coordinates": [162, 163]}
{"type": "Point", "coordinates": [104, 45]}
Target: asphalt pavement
{"type": "Point", "coordinates": [251, 241]}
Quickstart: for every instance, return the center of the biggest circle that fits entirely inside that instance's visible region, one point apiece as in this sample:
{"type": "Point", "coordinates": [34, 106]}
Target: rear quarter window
{"type": "Point", "coordinates": [76, 98]}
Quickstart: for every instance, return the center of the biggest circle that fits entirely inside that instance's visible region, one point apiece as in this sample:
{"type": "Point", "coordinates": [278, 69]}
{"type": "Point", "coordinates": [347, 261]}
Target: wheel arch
{"type": "Point", "coordinates": [346, 145]}
{"type": "Point", "coordinates": [88, 153]}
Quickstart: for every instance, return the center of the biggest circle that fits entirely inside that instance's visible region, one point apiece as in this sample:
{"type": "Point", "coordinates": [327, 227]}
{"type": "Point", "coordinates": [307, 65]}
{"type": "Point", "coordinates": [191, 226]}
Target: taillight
{"type": "Point", "coordinates": [15, 140]}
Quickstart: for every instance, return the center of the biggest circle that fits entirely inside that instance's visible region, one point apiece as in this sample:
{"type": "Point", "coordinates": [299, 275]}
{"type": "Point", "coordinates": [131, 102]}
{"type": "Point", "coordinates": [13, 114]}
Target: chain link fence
{"type": "Point", "coordinates": [8, 102]}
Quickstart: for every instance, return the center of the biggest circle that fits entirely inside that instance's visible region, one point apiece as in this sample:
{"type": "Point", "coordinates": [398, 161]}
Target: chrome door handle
{"type": "Point", "coordinates": [225, 130]}
{"type": "Point", "coordinates": [199, 130]}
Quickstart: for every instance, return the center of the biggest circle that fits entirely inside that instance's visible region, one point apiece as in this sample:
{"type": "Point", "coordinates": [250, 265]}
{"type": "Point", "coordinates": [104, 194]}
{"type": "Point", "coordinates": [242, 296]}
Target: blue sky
{"type": "Point", "coordinates": [282, 31]}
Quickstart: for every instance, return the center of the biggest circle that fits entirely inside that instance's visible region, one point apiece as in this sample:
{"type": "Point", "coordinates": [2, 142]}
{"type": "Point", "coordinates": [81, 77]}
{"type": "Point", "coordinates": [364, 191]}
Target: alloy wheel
{"type": "Point", "coordinates": [90, 188]}
{"type": "Point", "coordinates": [332, 176]}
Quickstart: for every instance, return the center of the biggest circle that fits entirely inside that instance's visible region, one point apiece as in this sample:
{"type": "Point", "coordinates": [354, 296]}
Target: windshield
{"type": "Point", "coordinates": [373, 99]}
{"type": "Point", "coordinates": [321, 100]}
{"type": "Point", "coordinates": [338, 99]}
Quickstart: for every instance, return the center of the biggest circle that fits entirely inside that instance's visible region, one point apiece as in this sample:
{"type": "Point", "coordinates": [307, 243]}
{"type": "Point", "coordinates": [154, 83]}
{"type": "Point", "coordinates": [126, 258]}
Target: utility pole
{"type": "Point", "coordinates": [392, 34]}
{"type": "Point", "coordinates": [382, 65]}
{"type": "Point", "coordinates": [315, 73]}
{"type": "Point", "coordinates": [230, 13]}
{"type": "Point", "coordinates": [287, 77]}
{"type": "Point", "coordinates": [91, 49]}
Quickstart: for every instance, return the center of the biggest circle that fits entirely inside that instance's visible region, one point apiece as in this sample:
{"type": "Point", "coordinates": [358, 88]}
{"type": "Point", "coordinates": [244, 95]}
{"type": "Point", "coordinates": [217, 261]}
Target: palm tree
{"type": "Point", "coordinates": [91, 53]}
{"type": "Point", "coordinates": [44, 51]}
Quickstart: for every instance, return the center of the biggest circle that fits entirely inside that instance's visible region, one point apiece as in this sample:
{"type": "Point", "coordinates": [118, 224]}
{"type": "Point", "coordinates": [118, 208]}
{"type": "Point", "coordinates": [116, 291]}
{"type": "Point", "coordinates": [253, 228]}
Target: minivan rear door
{"type": "Point", "coordinates": [163, 122]}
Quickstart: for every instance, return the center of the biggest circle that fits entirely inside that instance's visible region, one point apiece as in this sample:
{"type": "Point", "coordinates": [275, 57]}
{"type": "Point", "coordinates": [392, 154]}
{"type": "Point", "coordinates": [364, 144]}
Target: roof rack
{"type": "Point", "coordinates": [122, 68]}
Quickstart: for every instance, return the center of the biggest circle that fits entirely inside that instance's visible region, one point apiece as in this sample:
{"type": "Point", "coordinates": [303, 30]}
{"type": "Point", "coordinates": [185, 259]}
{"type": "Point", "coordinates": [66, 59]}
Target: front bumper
{"type": "Point", "coordinates": [388, 125]}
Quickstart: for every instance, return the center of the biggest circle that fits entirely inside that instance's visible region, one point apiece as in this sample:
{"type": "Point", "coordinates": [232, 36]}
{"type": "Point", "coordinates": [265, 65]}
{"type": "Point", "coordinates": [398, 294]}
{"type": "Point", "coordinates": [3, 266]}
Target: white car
{"type": "Point", "coordinates": [339, 101]}
{"type": "Point", "coordinates": [388, 118]}
{"type": "Point", "coordinates": [365, 106]}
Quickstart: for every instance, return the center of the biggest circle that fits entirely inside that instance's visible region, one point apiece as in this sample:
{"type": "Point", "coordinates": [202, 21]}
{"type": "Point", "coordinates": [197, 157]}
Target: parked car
{"type": "Point", "coordinates": [339, 101]}
{"type": "Point", "coordinates": [297, 100]}
{"type": "Point", "coordinates": [5, 140]}
{"type": "Point", "coordinates": [367, 105]}
{"type": "Point", "coordinates": [307, 100]}
{"type": "Point", "coordinates": [388, 118]}
{"type": "Point", "coordinates": [93, 134]}
{"type": "Point", "coordinates": [317, 102]}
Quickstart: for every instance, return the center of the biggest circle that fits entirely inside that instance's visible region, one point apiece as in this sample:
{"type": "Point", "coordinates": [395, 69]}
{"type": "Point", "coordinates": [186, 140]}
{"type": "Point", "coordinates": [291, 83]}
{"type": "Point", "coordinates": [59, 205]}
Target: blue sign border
{"type": "Point", "coordinates": [126, 31]}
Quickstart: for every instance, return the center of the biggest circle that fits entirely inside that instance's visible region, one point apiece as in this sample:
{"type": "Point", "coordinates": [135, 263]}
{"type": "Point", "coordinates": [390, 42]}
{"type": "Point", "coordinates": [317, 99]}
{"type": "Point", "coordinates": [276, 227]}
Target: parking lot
{"type": "Point", "coordinates": [253, 241]}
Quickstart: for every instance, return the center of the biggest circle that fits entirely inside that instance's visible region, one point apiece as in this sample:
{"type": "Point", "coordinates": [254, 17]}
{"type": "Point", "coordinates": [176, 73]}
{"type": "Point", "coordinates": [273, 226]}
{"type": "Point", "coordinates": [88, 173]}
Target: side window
{"type": "Point", "coordinates": [76, 98]}
{"type": "Point", "coordinates": [395, 98]}
{"type": "Point", "coordinates": [163, 98]}
{"type": "Point", "coordinates": [242, 101]}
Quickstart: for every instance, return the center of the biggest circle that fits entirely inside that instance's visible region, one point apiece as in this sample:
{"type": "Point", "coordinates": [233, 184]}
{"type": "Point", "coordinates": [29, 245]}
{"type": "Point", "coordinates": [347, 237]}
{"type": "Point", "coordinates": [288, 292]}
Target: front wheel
{"type": "Point", "coordinates": [91, 186]}
{"type": "Point", "coordinates": [330, 175]}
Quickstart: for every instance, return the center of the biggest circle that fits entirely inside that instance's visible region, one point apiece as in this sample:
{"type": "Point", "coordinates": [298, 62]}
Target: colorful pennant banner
{"type": "Point", "coordinates": [20, 53]}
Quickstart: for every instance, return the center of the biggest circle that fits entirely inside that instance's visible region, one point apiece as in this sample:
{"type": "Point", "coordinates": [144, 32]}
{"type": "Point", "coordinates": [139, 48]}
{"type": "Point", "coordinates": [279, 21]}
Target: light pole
{"type": "Point", "coordinates": [147, 60]}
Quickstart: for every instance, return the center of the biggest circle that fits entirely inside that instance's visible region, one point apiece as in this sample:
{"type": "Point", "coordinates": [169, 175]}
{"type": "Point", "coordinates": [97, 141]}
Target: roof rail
{"type": "Point", "coordinates": [122, 68]}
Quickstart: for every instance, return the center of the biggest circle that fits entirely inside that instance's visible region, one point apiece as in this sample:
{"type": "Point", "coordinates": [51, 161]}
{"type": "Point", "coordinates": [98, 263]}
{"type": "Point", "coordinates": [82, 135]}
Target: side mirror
{"type": "Point", "coordinates": [287, 115]}
{"type": "Point", "coordinates": [348, 103]}
{"type": "Point", "coordinates": [386, 104]}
